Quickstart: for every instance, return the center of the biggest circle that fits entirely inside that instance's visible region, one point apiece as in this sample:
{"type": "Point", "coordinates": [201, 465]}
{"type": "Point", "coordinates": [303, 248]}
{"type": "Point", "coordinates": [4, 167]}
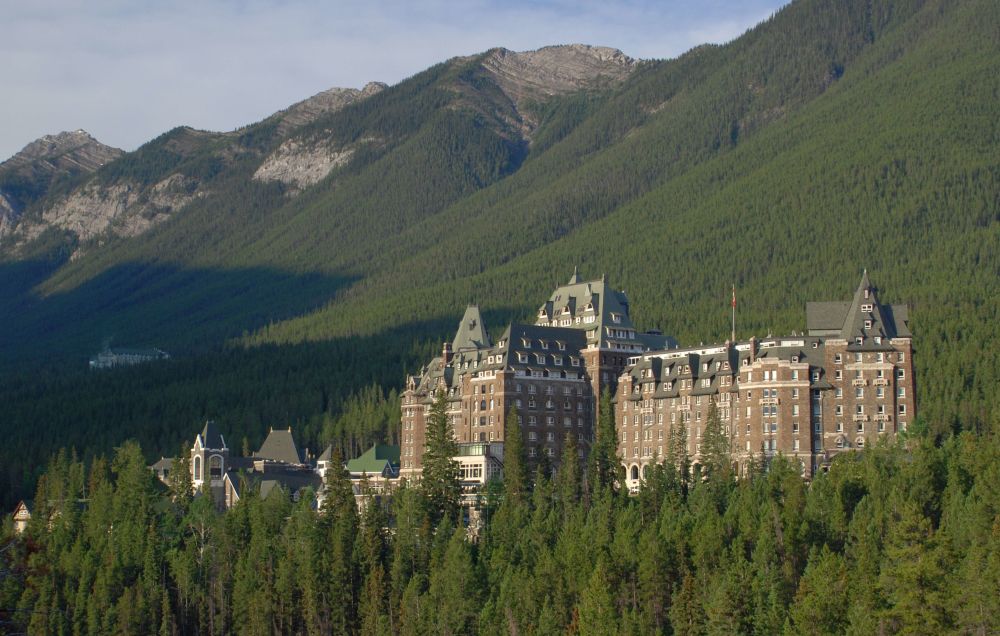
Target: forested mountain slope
{"type": "Point", "coordinates": [830, 138]}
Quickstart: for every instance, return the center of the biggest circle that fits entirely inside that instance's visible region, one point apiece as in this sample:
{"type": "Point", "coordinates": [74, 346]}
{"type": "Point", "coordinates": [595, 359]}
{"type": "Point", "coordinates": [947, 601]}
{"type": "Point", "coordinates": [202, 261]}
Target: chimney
{"type": "Point", "coordinates": [446, 353]}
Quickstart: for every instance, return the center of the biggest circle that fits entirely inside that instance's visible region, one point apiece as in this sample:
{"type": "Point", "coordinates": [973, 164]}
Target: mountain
{"type": "Point", "coordinates": [47, 164]}
{"type": "Point", "coordinates": [300, 262]}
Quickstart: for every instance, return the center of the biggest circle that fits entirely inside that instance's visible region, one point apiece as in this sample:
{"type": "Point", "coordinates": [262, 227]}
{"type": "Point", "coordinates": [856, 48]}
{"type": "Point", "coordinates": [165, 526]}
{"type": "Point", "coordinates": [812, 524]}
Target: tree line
{"type": "Point", "coordinates": [899, 538]}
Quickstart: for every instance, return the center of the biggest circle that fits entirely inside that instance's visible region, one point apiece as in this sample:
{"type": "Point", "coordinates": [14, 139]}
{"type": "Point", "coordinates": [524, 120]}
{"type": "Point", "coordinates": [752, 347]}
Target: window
{"type": "Point", "coordinates": [838, 410]}
{"type": "Point", "coordinates": [838, 392]}
{"type": "Point", "coordinates": [795, 445]}
{"type": "Point", "coordinates": [902, 409]}
{"type": "Point", "coordinates": [901, 392]}
{"type": "Point", "coordinates": [795, 410]}
{"type": "Point", "coordinates": [900, 374]}
{"type": "Point", "coordinates": [837, 359]}
{"type": "Point", "coordinates": [900, 357]}
{"type": "Point", "coordinates": [838, 375]}
{"type": "Point", "coordinates": [859, 392]}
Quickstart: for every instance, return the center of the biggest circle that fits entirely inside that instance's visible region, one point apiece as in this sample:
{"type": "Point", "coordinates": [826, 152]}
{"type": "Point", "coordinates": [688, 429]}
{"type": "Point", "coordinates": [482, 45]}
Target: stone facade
{"type": "Point", "coordinates": [551, 372]}
{"type": "Point", "coordinates": [844, 384]}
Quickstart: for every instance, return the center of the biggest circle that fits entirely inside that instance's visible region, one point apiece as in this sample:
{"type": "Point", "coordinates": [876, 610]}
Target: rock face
{"type": "Point", "coordinates": [555, 70]}
{"type": "Point", "coordinates": [300, 163]}
{"type": "Point", "coordinates": [308, 110]}
{"type": "Point", "coordinates": [27, 176]}
{"type": "Point", "coordinates": [74, 151]}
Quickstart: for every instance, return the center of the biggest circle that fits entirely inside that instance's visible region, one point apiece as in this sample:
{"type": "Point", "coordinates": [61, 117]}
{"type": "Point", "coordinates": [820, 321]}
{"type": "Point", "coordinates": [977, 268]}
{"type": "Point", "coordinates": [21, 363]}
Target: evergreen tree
{"type": "Point", "coordinates": [821, 597]}
{"type": "Point", "coordinates": [716, 447]}
{"type": "Point", "coordinates": [568, 477]}
{"type": "Point", "coordinates": [515, 473]}
{"type": "Point", "coordinates": [439, 481]}
{"type": "Point", "coordinates": [605, 467]}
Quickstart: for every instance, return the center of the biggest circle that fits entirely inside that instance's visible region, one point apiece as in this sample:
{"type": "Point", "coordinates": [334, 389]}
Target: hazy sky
{"type": "Point", "coordinates": [128, 70]}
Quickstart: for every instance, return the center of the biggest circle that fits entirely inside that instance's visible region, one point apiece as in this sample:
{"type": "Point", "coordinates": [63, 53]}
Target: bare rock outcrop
{"type": "Point", "coordinates": [301, 164]}
{"type": "Point", "coordinates": [124, 209]}
{"type": "Point", "coordinates": [556, 70]}
{"type": "Point", "coordinates": [331, 100]}
{"type": "Point", "coordinates": [26, 176]}
{"type": "Point", "coordinates": [74, 151]}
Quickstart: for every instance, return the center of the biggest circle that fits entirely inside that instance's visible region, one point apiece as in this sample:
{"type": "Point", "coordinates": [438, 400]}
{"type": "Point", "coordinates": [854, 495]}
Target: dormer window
{"type": "Point", "coordinates": [522, 358]}
{"type": "Point", "coordinates": [859, 340]}
{"type": "Point", "coordinates": [542, 314]}
{"type": "Point", "coordinates": [616, 317]}
{"type": "Point", "coordinates": [867, 308]}
{"type": "Point", "coordinates": [545, 345]}
{"type": "Point", "coordinates": [868, 325]}
{"type": "Point", "coordinates": [562, 346]}
{"type": "Point", "coordinates": [526, 343]}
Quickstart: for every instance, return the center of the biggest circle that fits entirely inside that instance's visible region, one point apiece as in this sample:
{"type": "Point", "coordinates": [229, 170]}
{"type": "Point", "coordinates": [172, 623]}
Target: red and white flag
{"type": "Point", "coordinates": [734, 296]}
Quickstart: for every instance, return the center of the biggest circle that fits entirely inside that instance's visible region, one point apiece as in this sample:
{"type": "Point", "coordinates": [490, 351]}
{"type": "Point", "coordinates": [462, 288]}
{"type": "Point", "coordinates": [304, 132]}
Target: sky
{"type": "Point", "coordinates": [127, 70]}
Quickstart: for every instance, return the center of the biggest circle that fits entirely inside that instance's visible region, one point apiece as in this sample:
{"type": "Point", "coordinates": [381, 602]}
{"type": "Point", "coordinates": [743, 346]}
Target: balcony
{"type": "Point", "coordinates": [684, 407]}
{"type": "Point", "coordinates": [859, 382]}
{"type": "Point", "coordinates": [881, 382]}
{"type": "Point", "coordinates": [881, 417]}
{"type": "Point", "coordinates": [769, 401]}
{"type": "Point", "coordinates": [860, 417]}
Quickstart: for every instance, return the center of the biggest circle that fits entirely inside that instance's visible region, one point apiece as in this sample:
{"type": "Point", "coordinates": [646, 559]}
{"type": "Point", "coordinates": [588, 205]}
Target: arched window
{"type": "Point", "coordinates": [215, 466]}
{"type": "Point", "coordinates": [645, 471]}
{"type": "Point", "coordinates": [635, 472]}
{"type": "Point", "coordinates": [197, 468]}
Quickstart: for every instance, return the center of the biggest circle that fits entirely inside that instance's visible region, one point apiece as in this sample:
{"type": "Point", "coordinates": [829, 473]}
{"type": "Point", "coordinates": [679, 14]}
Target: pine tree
{"type": "Point", "coordinates": [604, 464]}
{"type": "Point", "coordinates": [716, 451]}
{"type": "Point", "coordinates": [568, 477]}
{"type": "Point", "coordinates": [439, 481]}
{"type": "Point", "coordinates": [179, 481]}
{"type": "Point", "coordinates": [515, 474]}
{"type": "Point", "coordinates": [821, 597]}
{"type": "Point", "coordinates": [597, 608]}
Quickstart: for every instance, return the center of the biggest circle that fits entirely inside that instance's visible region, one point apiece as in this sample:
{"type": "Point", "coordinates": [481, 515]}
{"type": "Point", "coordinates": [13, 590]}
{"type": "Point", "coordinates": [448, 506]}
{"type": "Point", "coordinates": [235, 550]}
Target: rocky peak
{"type": "Point", "coordinates": [554, 70]}
{"type": "Point", "coordinates": [26, 176]}
{"type": "Point", "coordinates": [67, 151]}
{"type": "Point", "coordinates": [328, 101]}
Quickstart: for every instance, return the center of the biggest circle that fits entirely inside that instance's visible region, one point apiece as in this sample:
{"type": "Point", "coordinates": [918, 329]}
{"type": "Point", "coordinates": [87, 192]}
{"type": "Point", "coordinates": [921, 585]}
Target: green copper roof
{"type": "Point", "coordinates": [375, 460]}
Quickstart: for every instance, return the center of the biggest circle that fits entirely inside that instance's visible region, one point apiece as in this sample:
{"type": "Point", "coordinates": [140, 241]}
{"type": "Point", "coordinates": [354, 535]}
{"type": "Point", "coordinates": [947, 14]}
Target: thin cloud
{"type": "Point", "coordinates": [126, 71]}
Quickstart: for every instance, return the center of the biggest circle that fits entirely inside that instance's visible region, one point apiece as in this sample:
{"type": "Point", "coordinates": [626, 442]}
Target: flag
{"type": "Point", "coordinates": [734, 296]}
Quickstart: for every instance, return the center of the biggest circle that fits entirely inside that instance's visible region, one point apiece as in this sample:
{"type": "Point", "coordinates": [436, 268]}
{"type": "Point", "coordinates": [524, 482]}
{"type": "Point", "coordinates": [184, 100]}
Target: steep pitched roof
{"type": "Point", "coordinates": [280, 447]}
{"type": "Point", "coordinates": [471, 332]}
{"type": "Point", "coordinates": [375, 460]}
{"type": "Point", "coordinates": [863, 317]}
{"type": "Point", "coordinates": [211, 437]}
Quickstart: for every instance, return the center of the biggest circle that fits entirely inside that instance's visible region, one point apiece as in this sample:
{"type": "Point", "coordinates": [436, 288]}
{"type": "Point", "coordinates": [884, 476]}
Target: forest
{"type": "Point", "coordinates": [903, 537]}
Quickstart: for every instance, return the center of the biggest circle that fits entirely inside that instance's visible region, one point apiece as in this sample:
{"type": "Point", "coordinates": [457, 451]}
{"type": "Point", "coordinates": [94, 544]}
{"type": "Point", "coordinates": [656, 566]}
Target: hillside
{"type": "Point", "coordinates": [825, 140]}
